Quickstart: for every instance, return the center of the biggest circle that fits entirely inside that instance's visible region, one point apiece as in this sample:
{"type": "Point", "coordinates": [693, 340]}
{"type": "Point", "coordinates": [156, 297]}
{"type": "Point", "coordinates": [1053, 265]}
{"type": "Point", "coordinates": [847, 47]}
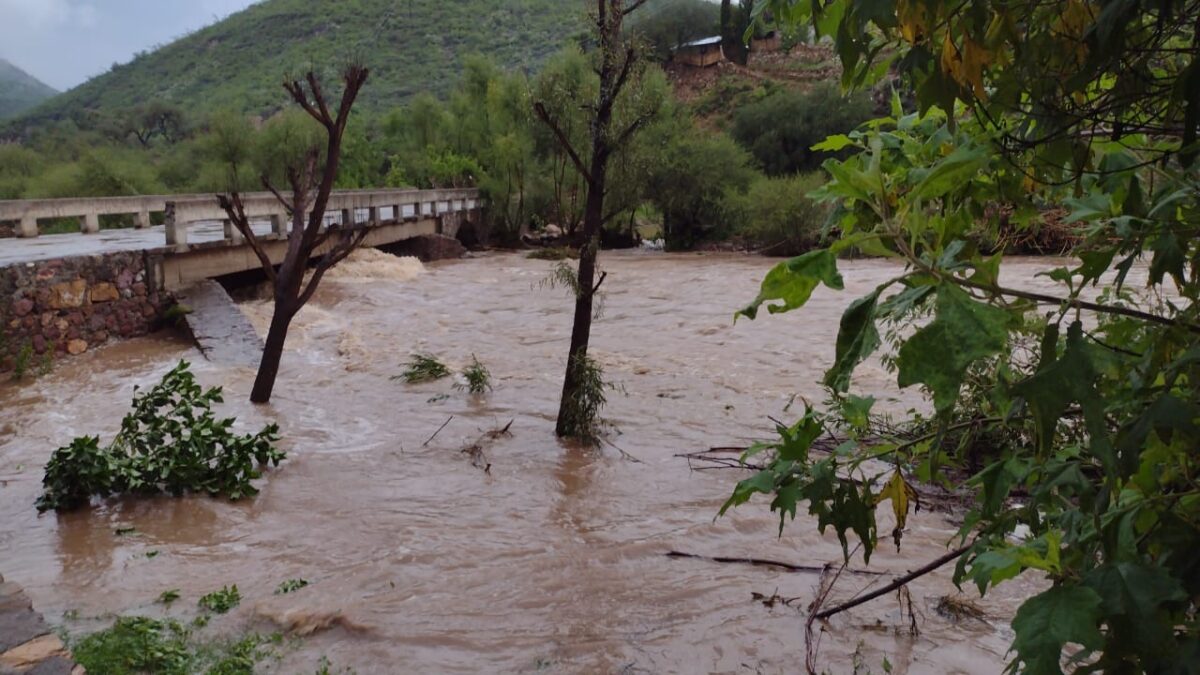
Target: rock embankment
{"type": "Point", "coordinates": [70, 305]}
{"type": "Point", "coordinates": [27, 645]}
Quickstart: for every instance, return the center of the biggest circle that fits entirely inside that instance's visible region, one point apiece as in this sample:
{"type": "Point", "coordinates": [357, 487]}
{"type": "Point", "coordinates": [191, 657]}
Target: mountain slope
{"type": "Point", "coordinates": [20, 91]}
{"type": "Point", "coordinates": [410, 46]}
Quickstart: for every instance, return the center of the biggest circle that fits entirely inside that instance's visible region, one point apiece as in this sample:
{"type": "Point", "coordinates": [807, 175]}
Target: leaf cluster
{"type": "Point", "coordinates": [170, 442]}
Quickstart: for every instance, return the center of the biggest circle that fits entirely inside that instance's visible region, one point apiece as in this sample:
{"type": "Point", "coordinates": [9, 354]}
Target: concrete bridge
{"type": "Point", "coordinates": [63, 293]}
{"type": "Point", "coordinates": [197, 242]}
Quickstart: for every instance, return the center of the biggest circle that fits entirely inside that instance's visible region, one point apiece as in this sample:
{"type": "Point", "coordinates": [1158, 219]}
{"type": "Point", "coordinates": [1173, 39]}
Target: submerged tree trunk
{"type": "Point", "coordinates": [268, 368]}
{"type": "Point", "coordinates": [313, 178]}
{"type": "Point", "coordinates": [581, 328]}
{"type": "Point", "coordinates": [617, 64]}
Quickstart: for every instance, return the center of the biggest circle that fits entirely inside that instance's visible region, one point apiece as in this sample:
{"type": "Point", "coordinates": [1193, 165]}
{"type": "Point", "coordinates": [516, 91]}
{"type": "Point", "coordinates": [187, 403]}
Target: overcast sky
{"type": "Point", "coordinates": [65, 42]}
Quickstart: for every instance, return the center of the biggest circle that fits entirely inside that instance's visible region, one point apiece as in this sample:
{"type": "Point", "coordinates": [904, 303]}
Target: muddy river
{"type": "Point", "coordinates": [553, 560]}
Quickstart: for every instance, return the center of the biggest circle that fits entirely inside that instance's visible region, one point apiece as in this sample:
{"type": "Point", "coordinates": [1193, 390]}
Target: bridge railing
{"type": "Point", "coordinates": [346, 207]}
{"type": "Point", "coordinates": [27, 212]}
{"type": "Point", "coordinates": [183, 210]}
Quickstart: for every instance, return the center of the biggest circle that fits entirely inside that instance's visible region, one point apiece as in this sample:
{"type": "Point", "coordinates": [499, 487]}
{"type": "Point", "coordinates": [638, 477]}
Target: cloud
{"type": "Point", "coordinates": [40, 14]}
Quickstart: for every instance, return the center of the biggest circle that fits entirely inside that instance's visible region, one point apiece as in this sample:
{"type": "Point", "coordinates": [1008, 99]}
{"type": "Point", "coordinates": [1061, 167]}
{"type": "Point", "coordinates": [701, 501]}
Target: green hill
{"type": "Point", "coordinates": [410, 45]}
{"type": "Point", "coordinates": [19, 91]}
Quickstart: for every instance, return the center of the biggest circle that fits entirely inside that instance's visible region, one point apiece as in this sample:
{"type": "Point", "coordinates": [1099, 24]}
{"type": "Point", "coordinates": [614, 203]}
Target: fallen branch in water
{"type": "Point", "coordinates": [475, 450]}
{"type": "Point", "coordinates": [430, 440]}
{"type": "Point", "coordinates": [897, 583]}
{"type": "Point", "coordinates": [762, 562]}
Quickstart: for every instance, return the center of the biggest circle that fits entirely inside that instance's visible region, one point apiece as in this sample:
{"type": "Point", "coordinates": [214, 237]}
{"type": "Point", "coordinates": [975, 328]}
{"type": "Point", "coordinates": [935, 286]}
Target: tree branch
{"type": "Point", "coordinates": [900, 581]}
{"type": "Point", "coordinates": [234, 209]}
{"type": "Point", "coordinates": [540, 109]}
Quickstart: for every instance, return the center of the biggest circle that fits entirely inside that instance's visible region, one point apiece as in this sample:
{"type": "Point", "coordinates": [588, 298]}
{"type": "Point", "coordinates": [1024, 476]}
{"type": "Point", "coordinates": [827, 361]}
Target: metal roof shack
{"type": "Point", "coordinates": [701, 53]}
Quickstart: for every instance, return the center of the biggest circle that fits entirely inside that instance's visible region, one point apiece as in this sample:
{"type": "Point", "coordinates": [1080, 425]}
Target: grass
{"type": "Point", "coordinates": [167, 597]}
{"type": "Point", "coordinates": [478, 378]}
{"type": "Point", "coordinates": [554, 253]}
{"type": "Point", "coordinates": [423, 368]}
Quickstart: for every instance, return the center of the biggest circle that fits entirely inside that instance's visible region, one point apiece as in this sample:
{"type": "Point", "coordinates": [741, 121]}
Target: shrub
{"type": "Point", "coordinates": [478, 377]}
{"type": "Point", "coordinates": [170, 442]}
{"type": "Point", "coordinates": [423, 368]}
{"type": "Point", "coordinates": [689, 183]}
{"type": "Point", "coordinates": [781, 129]}
{"type": "Point", "coordinates": [777, 215]}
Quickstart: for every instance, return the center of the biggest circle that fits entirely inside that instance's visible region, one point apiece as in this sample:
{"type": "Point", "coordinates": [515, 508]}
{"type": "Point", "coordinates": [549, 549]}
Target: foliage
{"type": "Point", "coordinates": [478, 378]}
{"type": "Point", "coordinates": [412, 47]}
{"type": "Point", "coordinates": [221, 601]}
{"type": "Point", "coordinates": [424, 368]}
{"type": "Point", "coordinates": [168, 596]}
{"type": "Point", "coordinates": [1085, 395]}
{"type": "Point", "coordinates": [777, 215]}
{"type": "Point", "coordinates": [135, 644]}
{"type": "Point", "coordinates": [780, 130]}
{"type": "Point", "coordinates": [19, 91]}
{"type": "Point", "coordinates": [290, 586]}
{"type": "Point", "coordinates": [689, 182]}
{"type": "Point", "coordinates": [666, 24]}
{"type": "Point", "coordinates": [582, 419]}
{"type": "Point", "coordinates": [170, 442]}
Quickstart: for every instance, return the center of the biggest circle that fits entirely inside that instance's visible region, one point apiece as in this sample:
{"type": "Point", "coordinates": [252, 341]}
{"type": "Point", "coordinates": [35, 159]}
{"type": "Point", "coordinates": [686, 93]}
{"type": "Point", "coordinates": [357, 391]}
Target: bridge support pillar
{"type": "Point", "coordinates": [347, 217]}
{"type": "Point", "coordinates": [91, 223]}
{"type": "Point", "coordinates": [373, 216]}
{"type": "Point", "coordinates": [29, 227]}
{"type": "Point", "coordinates": [279, 225]}
{"type": "Point", "coordinates": [143, 220]}
{"type": "Point", "coordinates": [232, 234]}
{"type": "Point", "coordinates": [177, 235]}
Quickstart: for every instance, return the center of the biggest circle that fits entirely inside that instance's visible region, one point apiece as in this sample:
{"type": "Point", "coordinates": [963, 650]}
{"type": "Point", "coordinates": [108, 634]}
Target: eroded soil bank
{"type": "Point", "coordinates": [554, 560]}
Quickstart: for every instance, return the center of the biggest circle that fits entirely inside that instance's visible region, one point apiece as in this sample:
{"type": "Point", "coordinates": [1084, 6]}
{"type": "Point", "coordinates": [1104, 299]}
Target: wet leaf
{"type": "Point", "coordinates": [1050, 620]}
{"type": "Point", "coordinates": [857, 339]}
{"type": "Point", "coordinates": [902, 495]}
{"type": "Point", "coordinates": [939, 354]}
{"type": "Point", "coordinates": [794, 281]}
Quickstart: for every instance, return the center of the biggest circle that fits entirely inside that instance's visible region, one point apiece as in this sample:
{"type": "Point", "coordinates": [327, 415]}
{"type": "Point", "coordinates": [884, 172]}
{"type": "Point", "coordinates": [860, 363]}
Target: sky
{"type": "Point", "coordinates": [65, 42]}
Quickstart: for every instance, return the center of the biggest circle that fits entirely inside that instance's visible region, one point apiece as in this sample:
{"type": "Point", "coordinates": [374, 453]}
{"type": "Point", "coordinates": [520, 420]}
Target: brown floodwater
{"type": "Point", "coordinates": [552, 561]}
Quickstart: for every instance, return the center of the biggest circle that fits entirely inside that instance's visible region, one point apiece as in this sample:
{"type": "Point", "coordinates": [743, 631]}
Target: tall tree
{"type": "Point", "coordinates": [618, 64]}
{"type": "Point", "coordinates": [311, 175]}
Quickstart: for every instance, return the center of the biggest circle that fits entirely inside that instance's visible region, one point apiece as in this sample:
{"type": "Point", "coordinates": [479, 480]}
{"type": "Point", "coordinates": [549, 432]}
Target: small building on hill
{"type": "Point", "coordinates": [768, 42]}
{"type": "Point", "coordinates": [702, 53]}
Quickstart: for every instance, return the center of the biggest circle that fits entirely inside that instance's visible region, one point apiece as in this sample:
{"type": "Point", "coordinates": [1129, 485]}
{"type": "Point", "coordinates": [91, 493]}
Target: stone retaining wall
{"type": "Point", "coordinates": [70, 305]}
{"type": "Point", "coordinates": [27, 644]}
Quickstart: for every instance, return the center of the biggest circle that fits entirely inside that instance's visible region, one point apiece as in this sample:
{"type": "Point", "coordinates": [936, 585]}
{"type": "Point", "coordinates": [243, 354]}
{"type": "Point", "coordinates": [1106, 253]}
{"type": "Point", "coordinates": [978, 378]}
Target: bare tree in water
{"type": "Point", "coordinates": [310, 180]}
{"type": "Point", "coordinates": [618, 63]}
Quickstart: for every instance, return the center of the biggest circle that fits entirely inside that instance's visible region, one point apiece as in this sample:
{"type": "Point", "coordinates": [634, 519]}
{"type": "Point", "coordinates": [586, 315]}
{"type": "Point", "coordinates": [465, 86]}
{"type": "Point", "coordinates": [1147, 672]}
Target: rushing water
{"type": "Point", "coordinates": [554, 560]}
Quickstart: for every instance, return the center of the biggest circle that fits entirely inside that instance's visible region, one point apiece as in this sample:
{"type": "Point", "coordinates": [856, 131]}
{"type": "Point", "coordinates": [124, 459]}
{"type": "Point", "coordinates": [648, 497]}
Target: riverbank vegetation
{"type": "Point", "coordinates": [1072, 412]}
{"type": "Point", "coordinates": [685, 179]}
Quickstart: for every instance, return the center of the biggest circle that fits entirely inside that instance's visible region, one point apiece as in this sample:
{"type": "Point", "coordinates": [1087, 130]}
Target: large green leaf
{"type": "Point", "coordinates": [1047, 622]}
{"type": "Point", "coordinates": [1057, 384]}
{"type": "Point", "coordinates": [857, 338]}
{"type": "Point", "coordinates": [939, 354]}
{"type": "Point", "coordinates": [951, 172]}
{"type": "Point", "coordinates": [793, 282]}
{"type": "Point", "coordinates": [1134, 599]}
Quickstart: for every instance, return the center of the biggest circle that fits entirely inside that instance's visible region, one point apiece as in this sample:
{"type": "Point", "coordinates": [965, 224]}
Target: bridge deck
{"type": "Point", "coordinates": [49, 246]}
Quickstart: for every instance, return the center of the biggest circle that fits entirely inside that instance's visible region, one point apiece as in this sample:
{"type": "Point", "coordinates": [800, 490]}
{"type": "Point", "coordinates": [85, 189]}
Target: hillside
{"type": "Point", "coordinates": [20, 91]}
{"type": "Point", "coordinates": [410, 46]}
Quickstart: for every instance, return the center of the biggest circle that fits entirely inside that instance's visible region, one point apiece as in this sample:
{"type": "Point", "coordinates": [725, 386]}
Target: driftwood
{"type": "Point", "coordinates": [762, 562]}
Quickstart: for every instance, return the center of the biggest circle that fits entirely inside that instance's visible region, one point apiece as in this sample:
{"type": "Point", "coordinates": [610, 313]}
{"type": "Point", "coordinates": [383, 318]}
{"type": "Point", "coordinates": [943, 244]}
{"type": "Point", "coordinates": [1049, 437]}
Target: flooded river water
{"type": "Point", "coordinates": [554, 561]}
